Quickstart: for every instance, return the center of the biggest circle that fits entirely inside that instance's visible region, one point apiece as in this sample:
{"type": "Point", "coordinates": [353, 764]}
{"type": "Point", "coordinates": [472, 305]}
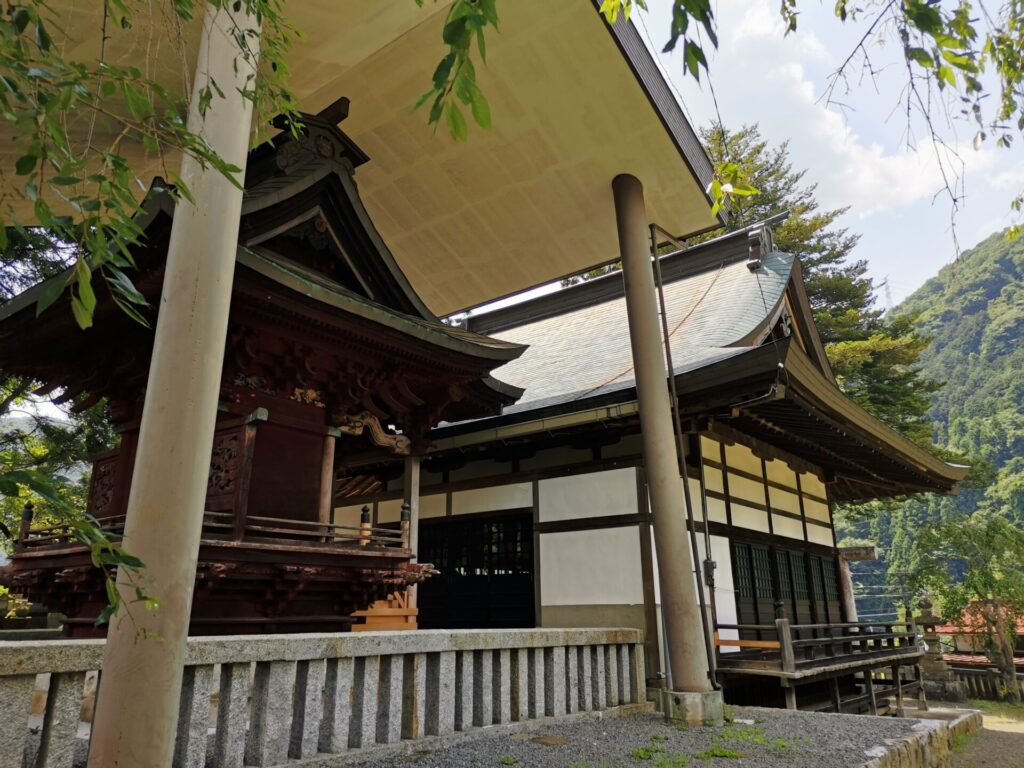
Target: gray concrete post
{"type": "Point", "coordinates": [144, 658]}
{"type": "Point", "coordinates": [686, 650]}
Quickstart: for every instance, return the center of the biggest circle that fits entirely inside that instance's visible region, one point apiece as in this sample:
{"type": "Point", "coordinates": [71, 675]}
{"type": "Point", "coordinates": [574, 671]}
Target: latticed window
{"type": "Point", "coordinates": [745, 581]}
{"type": "Point", "coordinates": [762, 572]}
{"type": "Point", "coordinates": [785, 574]}
{"type": "Point", "coordinates": [819, 591]}
{"type": "Point", "coordinates": [828, 567]}
{"type": "Point", "coordinates": [796, 561]}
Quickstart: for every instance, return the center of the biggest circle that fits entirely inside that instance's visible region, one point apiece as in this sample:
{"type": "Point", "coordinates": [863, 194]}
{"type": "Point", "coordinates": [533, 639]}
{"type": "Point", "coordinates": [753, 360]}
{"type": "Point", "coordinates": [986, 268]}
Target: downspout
{"type": "Point", "coordinates": [681, 457]}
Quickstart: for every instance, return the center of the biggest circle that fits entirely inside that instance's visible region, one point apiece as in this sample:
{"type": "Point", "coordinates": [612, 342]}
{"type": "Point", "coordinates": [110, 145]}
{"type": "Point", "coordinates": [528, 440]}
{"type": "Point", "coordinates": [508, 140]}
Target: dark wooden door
{"type": "Point", "coordinates": [486, 564]}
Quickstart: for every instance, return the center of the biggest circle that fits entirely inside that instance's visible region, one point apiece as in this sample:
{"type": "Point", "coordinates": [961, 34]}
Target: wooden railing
{"type": "Point", "coordinates": [224, 526]}
{"type": "Point", "coordinates": [791, 648]}
{"type": "Point", "coordinates": [272, 699]}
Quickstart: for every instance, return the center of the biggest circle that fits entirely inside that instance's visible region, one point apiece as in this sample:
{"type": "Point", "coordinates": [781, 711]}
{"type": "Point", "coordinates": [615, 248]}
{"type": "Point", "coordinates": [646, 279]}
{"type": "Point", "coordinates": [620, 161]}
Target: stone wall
{"type": "Point", "coordinates": [930, 746]}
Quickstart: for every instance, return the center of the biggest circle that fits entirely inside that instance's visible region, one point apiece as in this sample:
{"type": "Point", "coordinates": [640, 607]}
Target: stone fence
{"type": "Point", "coordinates": [267, 700]}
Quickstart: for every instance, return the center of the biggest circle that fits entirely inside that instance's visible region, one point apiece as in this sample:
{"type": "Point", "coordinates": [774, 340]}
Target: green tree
{"type": "Point", "coordinates": [975, 567]}
{"type": "Point", "coordinates": [875, 360]}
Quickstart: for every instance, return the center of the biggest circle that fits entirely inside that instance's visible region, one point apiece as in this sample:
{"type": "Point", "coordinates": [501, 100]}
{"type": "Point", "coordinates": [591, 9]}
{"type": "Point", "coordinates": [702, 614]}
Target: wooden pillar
{"type": "Point", "coordinates": [790, 692]}
{"type": "Point", "coordinates": [846, 590]}
{"type": "Point", "coordinates": [686, 650]}
{"type": "Point", "coordinates": [899, 689]}
{"type": "Point", "coordinates": [25, 528]}
{"type": "Point", "coordinates": [411, 496]}
{"type": "Point", "coordinates": [869, 684]}
{"type": "Point", "coordinates": [138, 702]}
{"type": "Point", "coordinates": [326, 508]}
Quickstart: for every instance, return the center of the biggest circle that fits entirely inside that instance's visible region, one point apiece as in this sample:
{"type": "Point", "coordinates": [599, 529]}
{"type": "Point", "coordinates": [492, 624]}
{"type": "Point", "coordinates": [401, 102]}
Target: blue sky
{"type": "Point", "coordinates": [858, 157]}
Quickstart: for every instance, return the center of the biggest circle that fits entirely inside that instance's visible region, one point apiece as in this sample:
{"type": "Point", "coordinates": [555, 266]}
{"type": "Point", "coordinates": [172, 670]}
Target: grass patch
{"type": "Point", "coordinates": [671, 760]}
{"type": "Point", "coordinates": [646, 753]}
{"type": "Point", "coordinates": [1002, 709]}
{"type": "Point", "coordinates": [960, 741]}
{"type": "Point", "coordinates": [719, 751]}
{"type": "Point", "coordinates": [658, 739]}
{"type": "Point", "coordinates": [506, 760]}
{"type": "Point", "coordinates": [752, 735]}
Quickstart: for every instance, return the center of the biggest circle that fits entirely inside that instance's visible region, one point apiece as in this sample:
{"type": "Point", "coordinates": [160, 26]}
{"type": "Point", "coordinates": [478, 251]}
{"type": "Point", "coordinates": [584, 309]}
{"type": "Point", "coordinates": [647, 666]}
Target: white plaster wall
{"type": "Point", "coordinates": [787, 502]}
{"type": "Point", "coordinates": [725, 590]}
{"type": "Point", "coordinates": [348, 515]}
{"type": "Point", "coordinates": [389, 511]}
{"type": "Point", "coordinates": [716, 511]}
{"type": "Point", "coordinates": [745, 488]}
{"type": "Point", "coordinates": [740, 457]}
{"type": "Point", "coordinates": [817, 510]}
{"type": "Point", "coordinates": [495, 497]}
{"type": "Point", "coordinates": [713, 479]}
{"type": "Point", "coordinates": [819, 535]}
{"type": "Point", "coordinates": [434, 505]}
{"type": "Point", "coordinates": [695, 500]}
{"type": "Point", "coordinates": [595, 494]}
{"type": "Point", "coordinates": [787, 526]}
{"type": "Point", "coordinates": [710, 448]}
{"type": "Point", "coordinates": [812, 484]}
{"type": "Point", "coordinates": [600, 567]}
{"type": "Point", "coordinates": [748, 517]}
{"type": "Point", "coordinates": [780, 472]}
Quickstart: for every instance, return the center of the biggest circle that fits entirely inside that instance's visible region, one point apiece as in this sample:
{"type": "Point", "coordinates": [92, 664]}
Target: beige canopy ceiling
{"type": "Point", "coordinates": [574, 103]}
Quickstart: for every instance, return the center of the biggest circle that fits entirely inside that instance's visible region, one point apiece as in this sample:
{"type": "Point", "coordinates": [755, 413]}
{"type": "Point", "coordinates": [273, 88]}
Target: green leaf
{"type": "Point", "coordinates": [82, 316]}
{"type": "Point", "coordinates": [43, 39]}
{"type": "Point", "coordinates": [444, 69]}
{"type": "Point", "coordinates": [479, 106]}
{"type": "Point", "coordinates": [65, 181]}
{"type": "Point", "coordinates": [85, 292]}
{"type": "Point", "coordinates": [25, 165]}
{"type": "Point", "coordinates": [921, 56]}
{"type": "Point", "coordinates": [456, 122]}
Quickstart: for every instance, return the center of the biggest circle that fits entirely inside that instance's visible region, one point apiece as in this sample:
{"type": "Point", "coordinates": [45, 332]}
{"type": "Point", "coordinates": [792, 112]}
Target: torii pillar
{"type": "Point", "coordinates": [692, 697]}
{"type": "Point", "coordinates": [137, 705]}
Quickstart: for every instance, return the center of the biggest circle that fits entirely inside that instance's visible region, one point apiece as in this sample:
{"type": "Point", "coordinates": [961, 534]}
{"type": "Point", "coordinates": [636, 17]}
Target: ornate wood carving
{"type": "Point", "coordinates": [367, 422]}
{"type": "Point", "coordinates": [102, 486]}
{"type": "Point", "coordinates": [224, 464]}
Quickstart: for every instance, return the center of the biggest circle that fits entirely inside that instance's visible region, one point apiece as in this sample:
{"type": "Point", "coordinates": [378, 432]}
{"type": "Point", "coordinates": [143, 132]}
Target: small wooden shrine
{"type": "Point", "coordinates": [330, 354]}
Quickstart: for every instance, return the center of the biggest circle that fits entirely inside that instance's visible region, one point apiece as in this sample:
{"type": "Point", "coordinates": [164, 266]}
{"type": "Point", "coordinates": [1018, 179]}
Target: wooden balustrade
{"type": "Point", "coordinates": [266, 699]}
{"type": "Point", "coordinates": [806, 646]}
{"type": "Point", "coordinates": [220, 526]}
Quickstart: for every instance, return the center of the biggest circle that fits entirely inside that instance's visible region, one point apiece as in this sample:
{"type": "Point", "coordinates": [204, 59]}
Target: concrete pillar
{"type": "Point", "coordinates": [137, 707]}
{"type": "Point", "coordinates": [326, 506]}
{"type": "Point", "coordinates": [686, 649]}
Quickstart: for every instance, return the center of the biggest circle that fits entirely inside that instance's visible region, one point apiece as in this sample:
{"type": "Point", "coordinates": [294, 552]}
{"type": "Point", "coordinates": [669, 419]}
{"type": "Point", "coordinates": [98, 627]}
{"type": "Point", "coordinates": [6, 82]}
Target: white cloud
{"type": "Point", "coordinates": [761, 75]}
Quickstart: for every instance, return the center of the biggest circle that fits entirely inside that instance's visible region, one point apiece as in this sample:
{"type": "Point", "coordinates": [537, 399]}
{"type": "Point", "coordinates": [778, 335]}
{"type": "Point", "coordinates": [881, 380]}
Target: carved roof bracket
{"type": "Point", "coordinates": [367, 423]}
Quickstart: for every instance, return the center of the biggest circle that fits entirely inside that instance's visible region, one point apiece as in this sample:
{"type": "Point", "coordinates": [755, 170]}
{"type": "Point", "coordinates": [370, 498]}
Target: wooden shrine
{"type": "Point", "coordinates": [330, 354]}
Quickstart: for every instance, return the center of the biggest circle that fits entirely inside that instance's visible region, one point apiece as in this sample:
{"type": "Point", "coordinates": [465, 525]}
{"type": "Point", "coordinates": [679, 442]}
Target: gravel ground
{"type": "Point", "coordinates": [764, 738]}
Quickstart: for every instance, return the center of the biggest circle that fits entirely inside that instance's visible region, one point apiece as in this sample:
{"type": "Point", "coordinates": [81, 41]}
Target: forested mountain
{"type": "Point", "coordinates": [973, 311]}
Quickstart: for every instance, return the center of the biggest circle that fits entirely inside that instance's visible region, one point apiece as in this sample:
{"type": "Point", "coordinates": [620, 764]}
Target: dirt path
{"type": "Point", "coordinates": [999, 744]}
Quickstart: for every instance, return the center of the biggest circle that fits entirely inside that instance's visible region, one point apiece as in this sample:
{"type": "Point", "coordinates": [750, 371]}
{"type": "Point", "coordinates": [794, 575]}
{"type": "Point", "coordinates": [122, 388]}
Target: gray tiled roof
{"type": "Point", "coordinates": [712, 315]}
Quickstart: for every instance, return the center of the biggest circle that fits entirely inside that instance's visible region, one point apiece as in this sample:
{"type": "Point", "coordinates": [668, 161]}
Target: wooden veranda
{"type": "Point", "coordinates": [862, 664]}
